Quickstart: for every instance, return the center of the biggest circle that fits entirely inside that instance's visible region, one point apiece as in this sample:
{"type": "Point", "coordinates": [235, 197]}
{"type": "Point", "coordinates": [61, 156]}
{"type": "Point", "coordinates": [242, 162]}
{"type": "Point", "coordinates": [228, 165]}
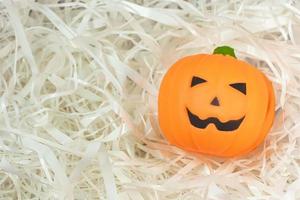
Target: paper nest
{"type": "Point", "coordinates": [78, 98]}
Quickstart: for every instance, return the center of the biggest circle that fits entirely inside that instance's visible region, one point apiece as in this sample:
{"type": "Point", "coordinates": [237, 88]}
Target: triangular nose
{"type": "Point", "coordinates": [215, 102]}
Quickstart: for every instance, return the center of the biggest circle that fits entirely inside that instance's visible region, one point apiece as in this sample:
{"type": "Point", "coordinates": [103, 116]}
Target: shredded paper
{"type": "Point", "coordinates": [78, 98]}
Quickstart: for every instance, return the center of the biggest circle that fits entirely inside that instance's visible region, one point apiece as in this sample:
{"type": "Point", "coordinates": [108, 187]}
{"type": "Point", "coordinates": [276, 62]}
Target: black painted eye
{"type": "Point", "coordinates": [196, 80]}
{"type": "Point", "coordinates": [240, 87]}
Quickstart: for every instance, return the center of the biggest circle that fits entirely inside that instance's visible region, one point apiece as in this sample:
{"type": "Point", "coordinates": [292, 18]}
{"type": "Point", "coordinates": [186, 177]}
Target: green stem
{"type": "Point", "coordinates": [225, 50]}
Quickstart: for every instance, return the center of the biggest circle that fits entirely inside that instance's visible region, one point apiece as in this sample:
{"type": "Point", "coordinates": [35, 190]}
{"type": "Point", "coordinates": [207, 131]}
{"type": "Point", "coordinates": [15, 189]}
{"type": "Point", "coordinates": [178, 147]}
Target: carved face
{"type": "Point", "coordinates": [215, 104]}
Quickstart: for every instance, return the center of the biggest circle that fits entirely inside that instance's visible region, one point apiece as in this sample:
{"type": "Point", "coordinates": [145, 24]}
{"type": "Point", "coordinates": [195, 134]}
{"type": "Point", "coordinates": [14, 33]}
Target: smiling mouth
{"type": "Point", "coordinates": [226, 126]}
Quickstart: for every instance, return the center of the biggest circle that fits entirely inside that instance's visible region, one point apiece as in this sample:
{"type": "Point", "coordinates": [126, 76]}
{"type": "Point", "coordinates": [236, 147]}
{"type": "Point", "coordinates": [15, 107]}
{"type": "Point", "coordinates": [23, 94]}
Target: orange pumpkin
{"type": "Point", "coordinates": [215, 104]}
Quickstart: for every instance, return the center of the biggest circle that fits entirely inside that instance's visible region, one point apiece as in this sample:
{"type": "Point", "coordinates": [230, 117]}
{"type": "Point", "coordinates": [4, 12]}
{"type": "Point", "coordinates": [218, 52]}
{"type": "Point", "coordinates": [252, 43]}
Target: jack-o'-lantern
{"type": "Point", "coordinates": [215, 104]}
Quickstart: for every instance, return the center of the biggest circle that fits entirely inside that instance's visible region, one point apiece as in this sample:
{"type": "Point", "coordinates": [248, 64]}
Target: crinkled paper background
{"type": "Point", "coordinates": [78, 98]}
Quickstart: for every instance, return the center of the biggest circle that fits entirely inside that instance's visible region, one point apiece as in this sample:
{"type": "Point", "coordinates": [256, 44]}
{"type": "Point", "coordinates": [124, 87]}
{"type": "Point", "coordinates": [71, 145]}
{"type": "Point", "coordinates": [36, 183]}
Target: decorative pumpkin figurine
{"type": "Point", "coordinates": [215, 104]}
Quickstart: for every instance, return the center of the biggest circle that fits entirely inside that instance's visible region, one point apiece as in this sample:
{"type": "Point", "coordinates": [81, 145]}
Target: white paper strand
{"type": "Point", "coordinates": [106, 170]}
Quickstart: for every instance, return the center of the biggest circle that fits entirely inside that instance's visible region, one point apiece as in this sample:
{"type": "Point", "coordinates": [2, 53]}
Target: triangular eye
{"type": "Point", "coordinates": [196, 80]}
{"type": "Point", "coordinates": [240, 87]}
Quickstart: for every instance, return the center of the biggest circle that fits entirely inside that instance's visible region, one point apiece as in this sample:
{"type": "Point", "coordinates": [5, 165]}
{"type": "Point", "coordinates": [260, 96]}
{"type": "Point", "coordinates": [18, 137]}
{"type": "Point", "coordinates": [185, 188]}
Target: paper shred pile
{"type": "Point", "coordinates": [78, 98]}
